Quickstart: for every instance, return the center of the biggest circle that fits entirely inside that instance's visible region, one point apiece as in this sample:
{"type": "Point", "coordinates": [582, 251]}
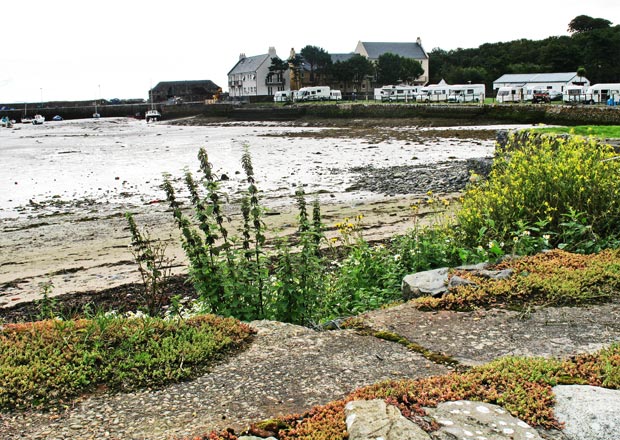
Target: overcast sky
{"type": "Point", "coordinates": [80, 49]}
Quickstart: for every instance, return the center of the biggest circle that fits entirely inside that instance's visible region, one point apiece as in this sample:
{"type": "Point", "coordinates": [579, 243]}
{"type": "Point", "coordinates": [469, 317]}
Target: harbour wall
{"type": "Point", "coordinates": [503, 113]}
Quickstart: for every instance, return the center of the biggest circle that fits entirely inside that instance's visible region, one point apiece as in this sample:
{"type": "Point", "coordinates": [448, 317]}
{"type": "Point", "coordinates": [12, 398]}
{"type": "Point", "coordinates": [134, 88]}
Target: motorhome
{"type": "Point", "coordinates": [335, 95]}
{"type": "Point", "coordinates": [399, 93]}
{"type": "Point", "coordinates": [320, 93]}
{"type": "Point", "coordinates": [283, 96]}
{"type": "Point", "coordinates": [510, 94]}
{"type": "Point", "coordinates": [573, 94]}
{"type": "Point", "coordinates": [433, 93]}
{"type": "Point", "coordinates": [466, 93]}
{"type": "Point", "coordinates": [601, 93]}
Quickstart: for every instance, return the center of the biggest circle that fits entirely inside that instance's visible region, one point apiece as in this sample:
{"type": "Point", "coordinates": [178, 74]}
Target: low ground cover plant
{"type": "Point", "coordinates": [49, 363]}
{"type": "Point", "coordinates": [554, 278]}
{"type": "Point", "coordinates": [523, 386]}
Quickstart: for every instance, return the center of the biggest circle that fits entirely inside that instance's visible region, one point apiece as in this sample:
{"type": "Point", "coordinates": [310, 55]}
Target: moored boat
{"type": "Point", "coordinates": [152, 115]}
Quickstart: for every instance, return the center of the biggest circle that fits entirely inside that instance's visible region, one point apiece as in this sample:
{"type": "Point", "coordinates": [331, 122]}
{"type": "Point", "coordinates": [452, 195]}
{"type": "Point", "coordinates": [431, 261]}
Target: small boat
{"type": "Point", "coordinates": [152, 115]}
{"type": "Point", "coordinates": [6, 122]}
{"type": "Point", "coordinates": [26, 119]}
{"type": "Point", "coordinates": [37, 120]}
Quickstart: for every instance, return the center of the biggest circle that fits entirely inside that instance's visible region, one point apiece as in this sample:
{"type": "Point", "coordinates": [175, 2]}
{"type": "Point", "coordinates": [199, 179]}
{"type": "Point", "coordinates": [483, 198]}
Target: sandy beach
{"type": "Point", "coordinates": [65, 187]}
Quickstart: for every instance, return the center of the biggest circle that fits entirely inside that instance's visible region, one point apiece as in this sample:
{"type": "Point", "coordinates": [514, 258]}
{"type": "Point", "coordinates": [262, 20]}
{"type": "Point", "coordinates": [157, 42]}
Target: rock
{"type": "Point", "coordinates": [456, 281]}
{"type": "Point", "coordinates": [435, 282]}
{"type": "Point", "coordinates": [471, 267]}
{"type": "Point", "coordinates": [496, 274]}
{"type": "Point", "coordinates": [224, 177]}
{"type": "Point", "coordinates": [374, 419]}
{"type": "Point", "coordinates": [479, 420]}
{"type": "Point", "coordinates": [431, 282]}
{"type": "Point", "coordinates": [588, 412]}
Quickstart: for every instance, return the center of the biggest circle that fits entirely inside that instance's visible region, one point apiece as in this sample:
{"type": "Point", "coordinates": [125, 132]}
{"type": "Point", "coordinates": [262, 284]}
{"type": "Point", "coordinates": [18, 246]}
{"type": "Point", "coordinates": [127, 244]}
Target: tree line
{"type": "Point", "coordinates": [592, 49]}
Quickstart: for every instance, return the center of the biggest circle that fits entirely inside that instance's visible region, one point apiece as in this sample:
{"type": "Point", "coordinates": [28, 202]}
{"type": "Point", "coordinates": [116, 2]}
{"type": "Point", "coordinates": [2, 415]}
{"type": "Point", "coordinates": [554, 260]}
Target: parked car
{"type": "Point", "coordinates": [57, 118]}
{"type": "Point", "coordinates": [541, 96]}
{"type": "Point", "coordinates": [554, 95]}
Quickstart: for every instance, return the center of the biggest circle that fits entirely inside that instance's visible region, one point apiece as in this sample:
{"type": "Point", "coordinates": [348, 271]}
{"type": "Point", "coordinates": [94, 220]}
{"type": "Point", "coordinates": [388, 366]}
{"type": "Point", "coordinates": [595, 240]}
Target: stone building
{"type": "Point", "coordinates": [184, 91]}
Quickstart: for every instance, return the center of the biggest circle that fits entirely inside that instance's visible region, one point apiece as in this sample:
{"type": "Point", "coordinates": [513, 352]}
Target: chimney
{"type": "Point", "coordinates": [241, 56]}
{"type": "Point", "coordinates": [272, 52]}
{"type": "Point", "coordinates": [419, 41]}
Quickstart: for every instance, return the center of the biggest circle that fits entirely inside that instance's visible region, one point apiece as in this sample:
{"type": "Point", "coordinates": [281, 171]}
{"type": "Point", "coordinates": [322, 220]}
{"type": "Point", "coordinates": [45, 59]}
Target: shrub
{"type": "Point", "coordinates": [565, 183]}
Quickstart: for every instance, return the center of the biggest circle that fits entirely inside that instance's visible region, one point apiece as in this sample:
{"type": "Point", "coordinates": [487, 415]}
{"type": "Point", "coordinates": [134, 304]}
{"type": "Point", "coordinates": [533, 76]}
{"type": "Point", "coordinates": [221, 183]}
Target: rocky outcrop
{"type": "Point", "coordinates": [437, 282]}
{"type": "Point", "coordinates": [479, 420]}
{"type": "Point", "coordinates": [588, 412]}
{"type": "Point", "coordinates": [374, 419]}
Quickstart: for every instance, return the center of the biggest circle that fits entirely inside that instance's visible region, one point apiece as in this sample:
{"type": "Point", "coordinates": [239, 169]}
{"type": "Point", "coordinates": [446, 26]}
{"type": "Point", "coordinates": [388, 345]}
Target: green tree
{"type": "Point", "coordinates": [389, 68]}
{"type": "Point", "coordinates": [581, 73]}
{"type": "Point", "coordinates": [318, 59]}
{"type": "Point", "coordinates": [342, 72]}
{"type": "Point", "coordinates": [360, 68]}
{"type": "Point", "coordinates": [584, 23]}
{"type": "Point", "coordinates": [277, 68]}
{"type": "Point", "coordinates": [410, 70]}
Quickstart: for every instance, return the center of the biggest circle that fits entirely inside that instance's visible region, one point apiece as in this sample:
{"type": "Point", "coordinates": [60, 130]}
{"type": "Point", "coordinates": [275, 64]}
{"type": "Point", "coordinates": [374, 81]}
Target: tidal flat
{"type": "Point", "coordinates": [65, 186]}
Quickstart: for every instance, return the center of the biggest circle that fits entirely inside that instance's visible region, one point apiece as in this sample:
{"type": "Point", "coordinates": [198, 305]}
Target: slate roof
{"type": "Point", "coordinates": [341, 56]}
{"type": "Point", "coordinates": [249, 64]}
{"type": "Point", "coordinates": [407, 50]}
{"type": "Point", "coordinates": [206, 83]}
{"type": "Point", "coordinates": [518, 78]}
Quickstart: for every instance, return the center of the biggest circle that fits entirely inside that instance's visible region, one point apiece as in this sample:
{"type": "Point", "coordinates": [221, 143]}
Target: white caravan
{"type": "Point", "coordinates": [466, 93]}
{"type": "Point", "coordinates": [335, 95]}
{"type": "Point", "coordinates": [601, 93]}
{"type": "Point", "coordinates": [509, 94]}
{"type": "Point", "coordinates": [399, 93]}
{"type": "Point", "coordinates": [433, 93]}
{"type": "Point", "coordinates": [283, 96]}
{"type": "Point", "coordinates": [576, 94]}
{"type": "Point", "coordinates": [320, 93]}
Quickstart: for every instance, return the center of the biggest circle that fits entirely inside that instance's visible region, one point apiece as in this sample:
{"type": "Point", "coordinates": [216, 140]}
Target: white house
{"type": "Point", "coordinates": [373, 51]}
{"type": "Point", "coordinates": [251, 76]}
{"type": "Point", "coordinates": [547, 81]}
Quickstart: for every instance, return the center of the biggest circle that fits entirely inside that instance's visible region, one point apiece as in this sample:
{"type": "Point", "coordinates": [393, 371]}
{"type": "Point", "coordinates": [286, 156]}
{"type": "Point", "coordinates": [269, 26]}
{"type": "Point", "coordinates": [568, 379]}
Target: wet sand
{"type": "Point", "coordinates": [67, 186]}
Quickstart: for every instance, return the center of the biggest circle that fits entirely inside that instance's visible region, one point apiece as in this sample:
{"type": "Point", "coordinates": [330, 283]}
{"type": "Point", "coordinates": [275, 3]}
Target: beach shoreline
{"type": "Point", "coordinates": [81, 243]}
